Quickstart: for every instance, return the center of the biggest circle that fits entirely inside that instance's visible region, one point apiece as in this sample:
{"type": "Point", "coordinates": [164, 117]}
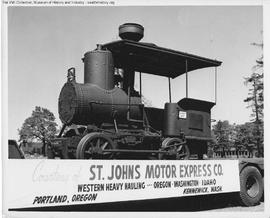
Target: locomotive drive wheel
{"type": "Point", "coordinates": [251, 186]}
{"type": "Point", "coordinates": [176, 148]}
{"type": "Point", "coordinates": [94, 145]}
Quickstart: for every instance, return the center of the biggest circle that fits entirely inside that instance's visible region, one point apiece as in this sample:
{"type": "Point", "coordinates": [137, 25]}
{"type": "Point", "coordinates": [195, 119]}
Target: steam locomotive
{"type": "Point", "coordinates": [105, 117]}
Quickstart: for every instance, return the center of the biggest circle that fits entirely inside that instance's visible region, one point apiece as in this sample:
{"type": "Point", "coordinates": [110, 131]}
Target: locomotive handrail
{"type": "Point", "coordinates": [121, 104]}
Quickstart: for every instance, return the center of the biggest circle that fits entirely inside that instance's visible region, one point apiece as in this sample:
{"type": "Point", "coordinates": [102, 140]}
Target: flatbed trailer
{"type": "Point", "coordinates": [243, 179]}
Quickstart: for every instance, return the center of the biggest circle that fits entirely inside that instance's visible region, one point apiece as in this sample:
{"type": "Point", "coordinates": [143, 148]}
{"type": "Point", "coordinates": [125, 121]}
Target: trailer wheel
{"type": "Point", "coordinates": [251, 186]}
{"type": "Point", "coordinates": [94, 146]}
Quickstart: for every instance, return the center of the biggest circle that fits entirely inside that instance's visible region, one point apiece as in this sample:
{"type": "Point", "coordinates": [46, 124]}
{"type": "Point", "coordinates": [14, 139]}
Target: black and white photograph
{"type": "Point", "coordinates": [110, 108]}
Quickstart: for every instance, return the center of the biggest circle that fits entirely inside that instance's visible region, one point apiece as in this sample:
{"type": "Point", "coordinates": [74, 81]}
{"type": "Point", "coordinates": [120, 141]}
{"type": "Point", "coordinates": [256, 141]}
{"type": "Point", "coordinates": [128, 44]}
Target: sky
{"type": "Point", "coordinates": [43, 42]}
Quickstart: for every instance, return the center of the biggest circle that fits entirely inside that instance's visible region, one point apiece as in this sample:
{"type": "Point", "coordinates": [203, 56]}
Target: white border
{"type": "Point", "coordinates": [4, 113]}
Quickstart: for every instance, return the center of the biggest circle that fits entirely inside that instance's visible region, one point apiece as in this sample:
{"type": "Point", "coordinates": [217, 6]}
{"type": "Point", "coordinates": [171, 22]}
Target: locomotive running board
{"type": "Point", "coordinates": [136, 151]}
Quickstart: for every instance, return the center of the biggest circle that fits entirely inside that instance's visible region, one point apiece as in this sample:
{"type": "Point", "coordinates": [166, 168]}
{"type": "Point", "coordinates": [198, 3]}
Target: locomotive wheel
{"type": "Point", "coordinates": [93, 146]}
{"type": "Point", "coordinates": [177, 150]}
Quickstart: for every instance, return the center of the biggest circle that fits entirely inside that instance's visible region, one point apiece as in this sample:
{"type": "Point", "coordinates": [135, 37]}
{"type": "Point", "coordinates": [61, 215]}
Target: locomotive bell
{"type": "Point", "coordinates": [131, 31]}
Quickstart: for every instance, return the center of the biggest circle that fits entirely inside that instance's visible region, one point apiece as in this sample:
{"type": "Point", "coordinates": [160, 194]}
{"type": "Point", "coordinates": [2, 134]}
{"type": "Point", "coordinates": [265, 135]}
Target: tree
{"type": "Point", "coordinates": [223, 133]}
{"type": "Point", "coordinates": [40, 126]}
{"type": "Point", "coordinates": [255, 99]}
{"type": "Point", "coordinates": [245, 137]}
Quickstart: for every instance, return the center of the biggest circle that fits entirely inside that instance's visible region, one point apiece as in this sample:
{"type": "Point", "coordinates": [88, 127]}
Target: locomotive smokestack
{"type": "Point", "coordinates": [131, 31]}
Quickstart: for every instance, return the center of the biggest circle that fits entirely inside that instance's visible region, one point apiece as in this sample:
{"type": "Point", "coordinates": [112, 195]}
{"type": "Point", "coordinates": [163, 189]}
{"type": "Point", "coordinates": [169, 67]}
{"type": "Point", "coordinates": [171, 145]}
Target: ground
{"type": "Point", "coordinates": [258, 208]}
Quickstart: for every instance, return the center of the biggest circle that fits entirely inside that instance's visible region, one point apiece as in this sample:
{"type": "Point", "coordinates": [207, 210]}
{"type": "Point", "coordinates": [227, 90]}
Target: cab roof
{"type": "Point", "coordinates": [151, 59]}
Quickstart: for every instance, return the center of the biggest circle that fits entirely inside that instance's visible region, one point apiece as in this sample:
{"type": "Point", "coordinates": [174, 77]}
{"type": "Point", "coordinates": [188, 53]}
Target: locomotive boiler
{"type": "Point", "coordinates": [105, 117]}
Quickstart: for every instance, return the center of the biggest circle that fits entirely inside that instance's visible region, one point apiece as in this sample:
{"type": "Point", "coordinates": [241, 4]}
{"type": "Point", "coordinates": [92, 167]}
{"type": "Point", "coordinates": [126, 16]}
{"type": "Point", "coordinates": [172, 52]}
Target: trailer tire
{"type": "Point", "coordinates": [251, 186]}
{"type": "Point", "coordinates": [262, 199]}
